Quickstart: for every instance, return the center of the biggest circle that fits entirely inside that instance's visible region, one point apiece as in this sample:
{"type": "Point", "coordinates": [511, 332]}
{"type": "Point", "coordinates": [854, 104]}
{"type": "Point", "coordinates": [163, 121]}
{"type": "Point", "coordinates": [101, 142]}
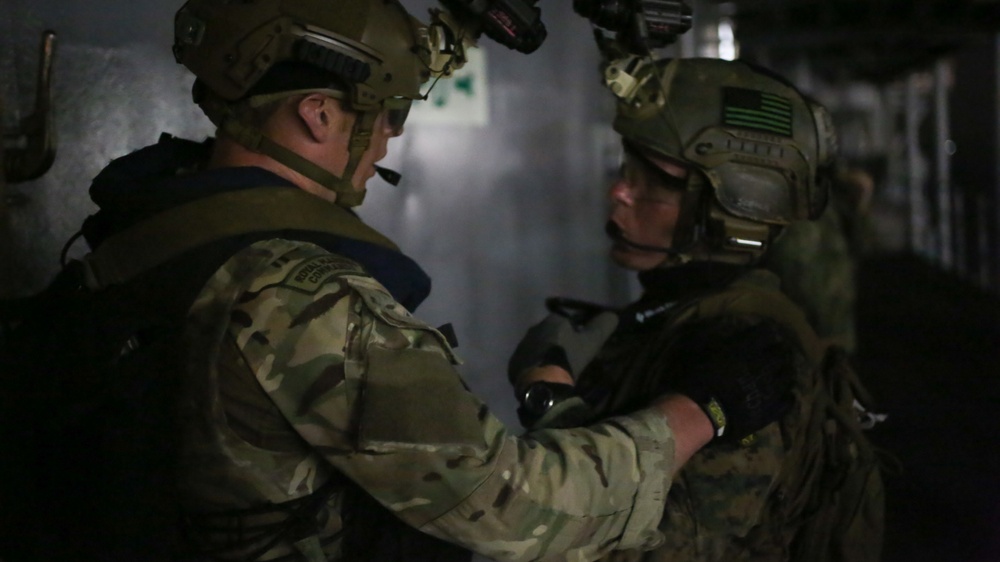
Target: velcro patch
{"type": "Point", "coordinates": [415, 400]}
{"type": "Point", "coordinates": [758, 111]}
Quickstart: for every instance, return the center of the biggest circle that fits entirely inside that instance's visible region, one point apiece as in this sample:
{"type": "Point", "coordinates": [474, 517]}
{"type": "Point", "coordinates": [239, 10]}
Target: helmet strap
{"type": "Point", "coordinates": [689, 229]}
{"type": "Point", "coordinates": [254, 139]}
{"type": "Point", "coordinates": [361, 136]}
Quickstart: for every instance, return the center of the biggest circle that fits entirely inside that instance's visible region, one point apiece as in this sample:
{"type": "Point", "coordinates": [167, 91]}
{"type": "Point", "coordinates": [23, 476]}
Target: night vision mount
{"type": "Point", "coordinates": [516, 24]}
{"type": "Point", "coordinates": [639, 25]}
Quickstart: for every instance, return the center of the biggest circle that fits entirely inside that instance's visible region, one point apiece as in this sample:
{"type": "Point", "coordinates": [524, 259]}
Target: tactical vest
{"type": "Point", "coordinates": [827, 501]}
{"type": "Point", "coordinates": [151, 273]}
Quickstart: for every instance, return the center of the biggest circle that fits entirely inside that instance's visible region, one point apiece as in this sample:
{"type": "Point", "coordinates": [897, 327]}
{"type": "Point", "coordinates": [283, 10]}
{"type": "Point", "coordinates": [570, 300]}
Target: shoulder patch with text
{"type": "Point", "coordinates": [312, 273]}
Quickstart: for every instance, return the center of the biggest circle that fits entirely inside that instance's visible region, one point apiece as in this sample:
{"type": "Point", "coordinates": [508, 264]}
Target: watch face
{"type": "Point", "coordinates": [542, 395]}
{"type": "Point", "coordinates": [538, 398]}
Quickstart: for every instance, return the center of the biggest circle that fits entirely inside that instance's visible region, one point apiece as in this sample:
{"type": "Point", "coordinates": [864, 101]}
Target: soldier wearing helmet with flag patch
{"type": "Point", "coordinates": [719, 157]}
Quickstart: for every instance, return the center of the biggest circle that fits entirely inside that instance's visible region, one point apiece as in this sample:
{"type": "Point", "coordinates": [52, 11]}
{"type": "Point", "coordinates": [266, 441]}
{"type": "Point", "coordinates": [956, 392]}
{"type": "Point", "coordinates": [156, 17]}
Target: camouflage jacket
{"type": "Point", "coordinates": [303, 368]}
{"type": "Point", "coordinates": [717, 507]}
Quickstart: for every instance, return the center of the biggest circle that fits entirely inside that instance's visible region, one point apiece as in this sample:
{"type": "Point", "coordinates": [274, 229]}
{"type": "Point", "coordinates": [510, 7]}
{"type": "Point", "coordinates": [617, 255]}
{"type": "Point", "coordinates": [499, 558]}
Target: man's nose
{"type": "Point", "coordinates": [621, 193]}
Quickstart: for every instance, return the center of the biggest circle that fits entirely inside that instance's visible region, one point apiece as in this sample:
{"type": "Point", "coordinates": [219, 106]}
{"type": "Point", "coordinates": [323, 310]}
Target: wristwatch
{"type": "Point", "coordinates": [539, 397]}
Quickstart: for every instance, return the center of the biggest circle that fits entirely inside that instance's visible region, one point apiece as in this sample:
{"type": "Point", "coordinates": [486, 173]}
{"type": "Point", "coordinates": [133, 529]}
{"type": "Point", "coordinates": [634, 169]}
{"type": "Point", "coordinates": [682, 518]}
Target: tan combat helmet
{"type": "Point", "coordinates": [758, 148]}
{"type": "Point", "coordinates": [375, 53]}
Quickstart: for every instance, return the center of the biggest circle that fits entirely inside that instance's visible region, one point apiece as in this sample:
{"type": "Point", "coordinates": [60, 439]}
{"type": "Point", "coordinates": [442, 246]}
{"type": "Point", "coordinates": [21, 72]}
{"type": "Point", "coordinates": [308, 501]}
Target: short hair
{"type": "Point", "coordinates": [283, 77]}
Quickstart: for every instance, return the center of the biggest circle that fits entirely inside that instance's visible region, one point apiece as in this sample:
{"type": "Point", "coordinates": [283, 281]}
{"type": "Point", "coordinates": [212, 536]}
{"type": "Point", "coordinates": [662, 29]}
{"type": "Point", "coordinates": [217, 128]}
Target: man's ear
{"type": "Point", "coordinates": [320, 115]}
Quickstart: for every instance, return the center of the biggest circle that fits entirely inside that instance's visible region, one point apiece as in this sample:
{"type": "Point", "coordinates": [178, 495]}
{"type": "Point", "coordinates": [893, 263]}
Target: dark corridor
{"type": "Point", "coordinates": [930, 352]}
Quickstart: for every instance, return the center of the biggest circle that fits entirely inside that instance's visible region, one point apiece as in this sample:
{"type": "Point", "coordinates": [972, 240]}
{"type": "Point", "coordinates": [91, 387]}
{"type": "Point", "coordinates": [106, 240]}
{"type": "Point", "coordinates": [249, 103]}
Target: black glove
{"type": "Point", "coordinates": [556, 340]}
{"type": "Point", "coordinates": [741, 375]}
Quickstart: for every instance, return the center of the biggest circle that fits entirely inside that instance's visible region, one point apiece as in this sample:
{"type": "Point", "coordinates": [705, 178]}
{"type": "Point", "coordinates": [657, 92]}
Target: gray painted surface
{"type": "Point", "coordinates": [500, 216]}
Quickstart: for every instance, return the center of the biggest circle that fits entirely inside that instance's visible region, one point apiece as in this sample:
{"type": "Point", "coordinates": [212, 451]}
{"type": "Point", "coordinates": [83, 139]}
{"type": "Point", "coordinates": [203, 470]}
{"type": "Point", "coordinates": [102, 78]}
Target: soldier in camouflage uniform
{"type": "Point", "coordinates": [719, 156]}
{"type": "Point", "coordinates": [312, 401]}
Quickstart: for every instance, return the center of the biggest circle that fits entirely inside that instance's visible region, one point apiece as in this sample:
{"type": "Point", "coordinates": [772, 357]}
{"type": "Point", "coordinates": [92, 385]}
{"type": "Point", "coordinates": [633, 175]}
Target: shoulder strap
{"type": "Point", "coordinates": [744, 298]}
{"type": "Point", "coordinates": [175, 231]}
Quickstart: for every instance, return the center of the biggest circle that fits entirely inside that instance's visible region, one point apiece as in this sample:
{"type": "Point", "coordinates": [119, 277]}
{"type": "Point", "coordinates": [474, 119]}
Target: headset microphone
{"type": "Point", "coordinates": [615, 233]}
{"type": "Point", "coordinates": [391, 177]}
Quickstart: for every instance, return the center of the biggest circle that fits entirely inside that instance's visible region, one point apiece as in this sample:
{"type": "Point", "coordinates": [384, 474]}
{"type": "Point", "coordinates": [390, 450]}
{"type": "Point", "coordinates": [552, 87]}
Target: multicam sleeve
{"type": "Point", "coordinates": [580, 493]}
{"type": "Point", "coordinates": [374, 391]}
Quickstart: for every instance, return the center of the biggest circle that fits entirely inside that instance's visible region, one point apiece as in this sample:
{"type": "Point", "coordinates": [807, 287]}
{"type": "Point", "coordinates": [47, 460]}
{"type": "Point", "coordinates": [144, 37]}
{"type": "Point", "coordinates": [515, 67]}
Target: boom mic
{"type": "Point", "coordinates": [614, 232]}
{"type": "Point", "coordinates": [391, 177]}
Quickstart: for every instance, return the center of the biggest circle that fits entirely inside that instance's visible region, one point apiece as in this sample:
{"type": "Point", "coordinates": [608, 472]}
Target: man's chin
{"type": "Point", "coordinates": [361, 178]}
{"type": "Point", "coordinates": [633, 259]}
{"type": "Point", "coordinates": [624, 257]}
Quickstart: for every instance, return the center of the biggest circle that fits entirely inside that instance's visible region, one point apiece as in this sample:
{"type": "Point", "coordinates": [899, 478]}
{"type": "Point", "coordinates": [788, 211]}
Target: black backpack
{"type": "Point", "coordinates": [85, 421]}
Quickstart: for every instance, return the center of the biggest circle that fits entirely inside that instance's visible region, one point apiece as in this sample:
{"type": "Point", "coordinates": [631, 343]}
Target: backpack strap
{"type": "Point", "coordinates": [744, 298]}
{"type": "Point", "coordinates": [173, 232]}
{"type": "Point", "coordinates": [831, 359]}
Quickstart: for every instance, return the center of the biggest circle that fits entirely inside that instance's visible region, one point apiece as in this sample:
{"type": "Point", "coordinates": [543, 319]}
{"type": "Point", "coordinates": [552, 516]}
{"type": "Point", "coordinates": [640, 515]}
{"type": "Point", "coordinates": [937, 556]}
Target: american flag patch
{"type": "Point", "coordinates": [759, 111]}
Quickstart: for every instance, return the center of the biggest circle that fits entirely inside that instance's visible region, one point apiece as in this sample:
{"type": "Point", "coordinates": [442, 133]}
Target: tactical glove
{"type": "Point", "coordinates": [559, 341]}
{"type": "Point", "coordinates": [741, 375]}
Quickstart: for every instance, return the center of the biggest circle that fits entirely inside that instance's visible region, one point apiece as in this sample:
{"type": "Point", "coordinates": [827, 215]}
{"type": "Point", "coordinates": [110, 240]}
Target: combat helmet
{"type": "Point", "coordinates": [374, 53]}
{"type": "Point", "coordinates": [758, 148]}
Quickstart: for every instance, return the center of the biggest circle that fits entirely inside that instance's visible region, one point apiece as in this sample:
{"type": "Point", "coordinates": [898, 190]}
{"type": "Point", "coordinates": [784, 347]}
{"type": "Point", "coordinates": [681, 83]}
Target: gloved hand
{"type": "Point", "coordinates": [741, 375]}
{"type": "Point", "coordinates": [556, 340]}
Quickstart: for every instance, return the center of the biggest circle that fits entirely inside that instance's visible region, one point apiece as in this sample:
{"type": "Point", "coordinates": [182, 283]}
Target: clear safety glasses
{"type": "Point", "coordinates": [394, 113]}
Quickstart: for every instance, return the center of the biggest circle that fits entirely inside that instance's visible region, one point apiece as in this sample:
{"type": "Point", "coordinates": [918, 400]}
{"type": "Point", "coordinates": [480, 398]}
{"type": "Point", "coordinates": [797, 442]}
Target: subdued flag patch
{"type": "Point", "coordinates": [758, 111]}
